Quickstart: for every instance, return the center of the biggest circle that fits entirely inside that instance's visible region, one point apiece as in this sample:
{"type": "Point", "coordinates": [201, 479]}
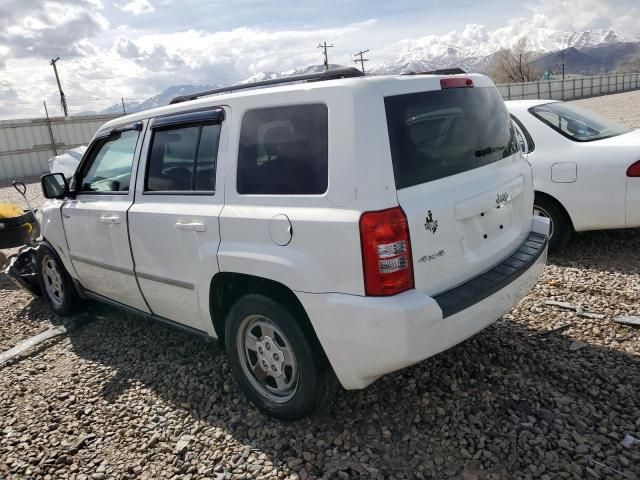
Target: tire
{"type": "Point", "coordinates": [278, 366]}
{"type": "Point", "coordinates": [56, 284]}
{"type": "Point", "coordinates": [560, 229]}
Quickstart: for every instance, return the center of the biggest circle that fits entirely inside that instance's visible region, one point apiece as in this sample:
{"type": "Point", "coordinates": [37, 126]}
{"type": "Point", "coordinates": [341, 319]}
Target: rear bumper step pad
{"type": "Point", "coordinates": [480, 287]}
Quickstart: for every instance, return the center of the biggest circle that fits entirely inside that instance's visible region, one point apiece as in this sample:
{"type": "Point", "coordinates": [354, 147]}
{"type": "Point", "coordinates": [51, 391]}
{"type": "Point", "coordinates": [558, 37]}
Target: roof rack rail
{"type": "Point", "coordinates": [308, 77]}
{"type": "Point", "coordinates": [441, 71]}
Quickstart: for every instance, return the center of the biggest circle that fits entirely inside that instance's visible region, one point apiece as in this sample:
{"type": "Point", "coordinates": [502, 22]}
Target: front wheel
{"type": "Point", "coordinates": [56, 284]}
{"type": "Point", "coordinates": [560, 225]}
{"type": "Point", "coordinates": [274, 361]}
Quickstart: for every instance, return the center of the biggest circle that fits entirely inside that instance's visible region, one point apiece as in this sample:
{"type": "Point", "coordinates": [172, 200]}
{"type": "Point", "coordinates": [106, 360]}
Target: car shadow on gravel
{"type": "Point", "coordinates": [508, 403]}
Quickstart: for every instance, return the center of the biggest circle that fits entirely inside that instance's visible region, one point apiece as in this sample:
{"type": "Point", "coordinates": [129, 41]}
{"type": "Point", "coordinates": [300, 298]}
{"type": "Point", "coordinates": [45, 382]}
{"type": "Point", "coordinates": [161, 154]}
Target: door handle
{"type": "Point", "coordinates": [191, 227]}
{"type": "Point", "coordinates": [111, 219]}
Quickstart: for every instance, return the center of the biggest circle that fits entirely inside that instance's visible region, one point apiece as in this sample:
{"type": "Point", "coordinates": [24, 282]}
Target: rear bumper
{"type": "Point", "coordinates": [367, 337]}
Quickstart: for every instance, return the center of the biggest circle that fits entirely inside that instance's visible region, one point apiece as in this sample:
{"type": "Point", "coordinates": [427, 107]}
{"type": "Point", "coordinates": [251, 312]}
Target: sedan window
{"type": "Point", "coordinates": [576, 123]}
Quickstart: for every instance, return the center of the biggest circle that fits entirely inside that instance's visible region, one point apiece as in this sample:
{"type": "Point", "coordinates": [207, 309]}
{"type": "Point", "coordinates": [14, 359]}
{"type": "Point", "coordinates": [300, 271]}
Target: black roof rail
{"type": "Point", "coordinates": [441, 71]}
{"type": "Point", "coordinates": [308, 77]}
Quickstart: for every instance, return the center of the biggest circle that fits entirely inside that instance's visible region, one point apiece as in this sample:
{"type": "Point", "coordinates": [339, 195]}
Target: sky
{"type": "Point", "coordinates": [136, 48]}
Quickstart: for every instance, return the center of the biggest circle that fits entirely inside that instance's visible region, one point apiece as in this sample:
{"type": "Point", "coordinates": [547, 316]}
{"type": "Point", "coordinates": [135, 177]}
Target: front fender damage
{"type": "Point", "coordinates": [22, 269]}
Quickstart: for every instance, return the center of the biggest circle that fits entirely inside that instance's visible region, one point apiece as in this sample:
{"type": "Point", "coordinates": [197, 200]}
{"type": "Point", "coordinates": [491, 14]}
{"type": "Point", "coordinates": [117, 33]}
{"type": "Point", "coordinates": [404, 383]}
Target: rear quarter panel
{"type": "Point", "coordinates": [596, 199]}
{"type": "Point", "coordinates": [324, 254]}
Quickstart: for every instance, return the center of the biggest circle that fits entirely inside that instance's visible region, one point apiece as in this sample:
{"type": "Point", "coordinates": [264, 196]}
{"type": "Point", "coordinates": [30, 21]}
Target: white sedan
{"type": "Point", "coordinates": [586, 168]}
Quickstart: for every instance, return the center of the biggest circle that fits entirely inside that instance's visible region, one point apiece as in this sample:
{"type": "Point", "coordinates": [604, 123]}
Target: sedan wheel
{"type": "Point", "coordinates": [560, 227]}
{"type": "Point", "coordinates": [538, 211]}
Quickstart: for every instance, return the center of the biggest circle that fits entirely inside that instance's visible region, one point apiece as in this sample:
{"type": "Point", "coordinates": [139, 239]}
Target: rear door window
{"type": "Point", "coordinates": [445, 132]}
{"type": "Point", "coordinates": [526, 136]}
{"type": "Point", "coordinates": [183, 158]}
{"type": "Point", "coordinates": [283, 151]}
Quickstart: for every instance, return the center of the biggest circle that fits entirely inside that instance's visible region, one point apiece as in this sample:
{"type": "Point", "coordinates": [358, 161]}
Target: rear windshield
{"type": "Point", "coordinates": [576, 123]}
{"type": "Point", "coordinates": [444, 132]}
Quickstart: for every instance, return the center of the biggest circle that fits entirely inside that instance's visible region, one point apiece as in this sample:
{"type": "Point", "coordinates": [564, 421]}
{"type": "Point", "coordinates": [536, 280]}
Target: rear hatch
{"type": "Point", "coordinates": [463, 184]}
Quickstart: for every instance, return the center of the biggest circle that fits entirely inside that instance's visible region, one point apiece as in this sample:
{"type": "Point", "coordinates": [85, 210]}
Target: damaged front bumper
{"type": "Point", "coordinates": [22, 269]}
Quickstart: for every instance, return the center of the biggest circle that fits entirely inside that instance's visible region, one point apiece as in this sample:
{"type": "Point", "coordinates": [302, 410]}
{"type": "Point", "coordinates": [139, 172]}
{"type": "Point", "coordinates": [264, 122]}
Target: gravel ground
{"type": "Point", "coordinates": [543, 393]}
{"type": "Point", "coordinates": [8, 194]}
{"type": "Point", "coordinates": [621, 107]}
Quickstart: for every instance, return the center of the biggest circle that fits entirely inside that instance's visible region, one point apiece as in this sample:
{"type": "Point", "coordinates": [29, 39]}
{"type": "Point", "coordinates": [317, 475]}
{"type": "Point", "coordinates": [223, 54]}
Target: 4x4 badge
{"type": "Point", "coordinates": [431, 224]}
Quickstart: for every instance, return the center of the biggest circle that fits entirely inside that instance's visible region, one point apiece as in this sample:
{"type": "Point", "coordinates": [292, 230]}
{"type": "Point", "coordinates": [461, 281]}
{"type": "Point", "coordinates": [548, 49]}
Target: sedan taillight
{"type": "Point", "coordinates": [634, 170]}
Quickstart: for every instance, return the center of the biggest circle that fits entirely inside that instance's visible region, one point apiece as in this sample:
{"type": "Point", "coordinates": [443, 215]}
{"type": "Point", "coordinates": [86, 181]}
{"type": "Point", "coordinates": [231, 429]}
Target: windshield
{"type": "Point", "coordinates": [577, 124]}
{"type": "Point", "coordinates": [444, 132]}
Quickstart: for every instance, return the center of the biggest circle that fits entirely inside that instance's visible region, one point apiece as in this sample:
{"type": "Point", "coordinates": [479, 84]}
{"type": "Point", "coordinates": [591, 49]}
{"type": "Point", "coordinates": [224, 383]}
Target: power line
{"type": "Point", "coordinates": [361, 59]}
{"type": "Point", "coordinates": [324, 47]}
{"type": "Point", "coordinates": [63, 100]}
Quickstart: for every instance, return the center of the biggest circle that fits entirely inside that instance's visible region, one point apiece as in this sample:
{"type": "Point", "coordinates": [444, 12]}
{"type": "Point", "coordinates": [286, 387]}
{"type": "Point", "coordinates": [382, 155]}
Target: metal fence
{"type": "Point", "coordinates": [571, 88]}
{"type": "Point", "coordinates": [26, 145]}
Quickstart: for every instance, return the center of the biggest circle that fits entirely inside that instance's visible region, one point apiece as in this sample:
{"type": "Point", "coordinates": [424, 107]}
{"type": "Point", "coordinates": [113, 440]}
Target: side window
{"type": "Point", "coordinates": [205, 173]}
{"type": "Point", "coordinates": [284, 151]}
{"type": "Point", "coordinates": [183, 158]}
{"type": "Point", "coordinates": [527, 136]}
{"type": "Point", "coordinates": [110, 168]}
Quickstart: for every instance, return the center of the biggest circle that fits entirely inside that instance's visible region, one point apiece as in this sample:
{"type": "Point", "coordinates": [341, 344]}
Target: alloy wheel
{"type": "Point", "coordinates": [267, 358]}
{"type": "Point", "coordinates": [53, 282]}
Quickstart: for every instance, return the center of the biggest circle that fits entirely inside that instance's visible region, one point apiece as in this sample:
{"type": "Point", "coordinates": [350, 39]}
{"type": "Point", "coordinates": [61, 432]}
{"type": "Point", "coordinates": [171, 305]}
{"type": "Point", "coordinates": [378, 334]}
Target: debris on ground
{"type": "Point", "coordinates": [577, 345]}
{"type": "Point", "coordinates": [631, 320]}
{"type": "Point", "coordinates": [576, 308]}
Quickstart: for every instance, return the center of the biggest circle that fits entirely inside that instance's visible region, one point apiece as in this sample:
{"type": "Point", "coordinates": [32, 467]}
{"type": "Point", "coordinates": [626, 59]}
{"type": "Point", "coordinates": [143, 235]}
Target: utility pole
{"type": "Point", "coordinates": [361, 59]}
{"type": "Point", "coordinates": [53, 140]}
{"type": "Point", "coordinates": [63, 100]}
{"type": "Point", "coordinates": [123, 109]}
{"type": "Point", "coordinates": [561, 55]}
{"type": "Point", "coordinates": [324, 47]}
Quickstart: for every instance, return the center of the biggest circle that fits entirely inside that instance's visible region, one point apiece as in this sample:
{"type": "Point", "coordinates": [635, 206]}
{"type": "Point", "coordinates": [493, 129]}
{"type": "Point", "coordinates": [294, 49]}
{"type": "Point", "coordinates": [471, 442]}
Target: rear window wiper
{"type": "Point", "coordinates": [489, 150]}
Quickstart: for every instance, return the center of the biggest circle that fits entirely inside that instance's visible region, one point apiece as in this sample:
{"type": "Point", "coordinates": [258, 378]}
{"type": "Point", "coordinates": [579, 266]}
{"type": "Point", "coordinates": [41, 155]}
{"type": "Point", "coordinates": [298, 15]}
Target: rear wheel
{"type": "Point", "coordinates": [56, 284]}
{"type": "Point", "coordinates": [275, 362]}
{"type": "Point", "coordinates": [560, 228]}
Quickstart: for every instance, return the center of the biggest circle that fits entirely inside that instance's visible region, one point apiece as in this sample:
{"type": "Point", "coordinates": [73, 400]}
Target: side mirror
{"type": "Point", "coordinates": [54, 185]}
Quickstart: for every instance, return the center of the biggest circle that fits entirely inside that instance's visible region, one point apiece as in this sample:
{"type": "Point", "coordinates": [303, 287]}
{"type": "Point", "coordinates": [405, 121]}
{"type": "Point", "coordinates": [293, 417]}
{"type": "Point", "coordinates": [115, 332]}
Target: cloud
{"type": "Point", "coordinates": [548, 27]}
{"type": "Point", "coordinates": [206, 57]}
{"type": "Point", "coordinates": [619, 15]}
{"type": "Point", "coordinates": [133, 58]}
{"type": "Point", "coordinates": [137, 7]}
{"type": "Point", "coordinates": [43, 28]}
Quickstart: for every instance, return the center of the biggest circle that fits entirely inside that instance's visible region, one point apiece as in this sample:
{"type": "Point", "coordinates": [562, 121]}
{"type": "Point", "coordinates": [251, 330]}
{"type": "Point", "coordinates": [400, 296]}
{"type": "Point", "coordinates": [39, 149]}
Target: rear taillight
{"type": "Point", "coordinates": [634, 170]}
{"type": "Point", "coordinates": [386, 252]}
{"type": "Point", "coordinates": [456, 82]}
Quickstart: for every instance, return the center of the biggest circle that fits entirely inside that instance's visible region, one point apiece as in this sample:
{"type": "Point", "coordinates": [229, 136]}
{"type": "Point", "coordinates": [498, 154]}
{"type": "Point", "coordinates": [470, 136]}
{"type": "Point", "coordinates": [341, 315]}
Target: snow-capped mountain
{"type": "Point", "coordinates": [259, 77]}
{"type": "Point", "coordinates": [432, 52]}
{"type": "Point", "coordinates": [159, 100]}
{"type": "Point", "coordinates": [474, 53]}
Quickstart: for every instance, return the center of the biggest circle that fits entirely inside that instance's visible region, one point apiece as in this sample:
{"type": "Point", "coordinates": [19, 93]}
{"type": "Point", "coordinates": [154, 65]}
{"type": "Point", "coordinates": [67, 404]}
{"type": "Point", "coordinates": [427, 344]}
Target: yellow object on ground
{"type": "Point", "coordinates": [10, 210]}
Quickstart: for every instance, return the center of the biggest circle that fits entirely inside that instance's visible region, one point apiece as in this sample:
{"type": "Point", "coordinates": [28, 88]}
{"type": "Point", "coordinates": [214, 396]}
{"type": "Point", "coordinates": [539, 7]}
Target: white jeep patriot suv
{"type": "Point", "coordinates": [327, 230]}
